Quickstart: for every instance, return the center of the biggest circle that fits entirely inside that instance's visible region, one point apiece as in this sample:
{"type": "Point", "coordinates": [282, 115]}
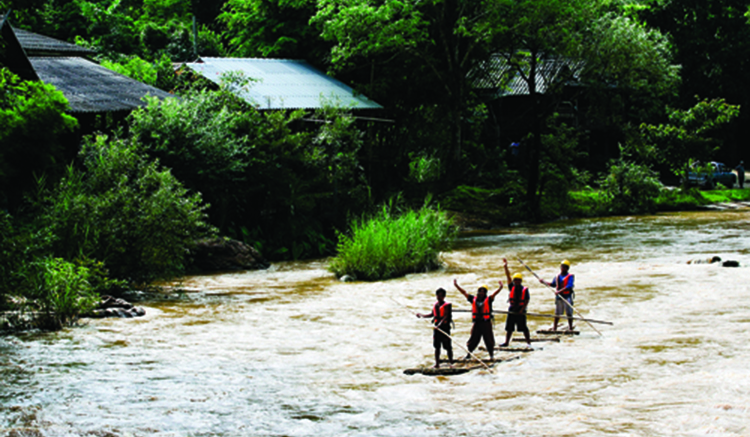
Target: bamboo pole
{"type": "Point", "coordinates": [542, 315]}
{"type": "Point", "coordinates": [564, 300]}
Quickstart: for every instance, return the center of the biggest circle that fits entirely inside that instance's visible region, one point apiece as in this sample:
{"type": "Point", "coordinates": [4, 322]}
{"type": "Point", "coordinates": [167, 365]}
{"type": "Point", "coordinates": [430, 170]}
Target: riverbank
{"type": "Point", "coordinates": [477, 209]}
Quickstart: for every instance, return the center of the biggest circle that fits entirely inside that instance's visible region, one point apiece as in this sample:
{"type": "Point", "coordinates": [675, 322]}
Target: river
{"type": "Point", "coordinates": [291, 351]}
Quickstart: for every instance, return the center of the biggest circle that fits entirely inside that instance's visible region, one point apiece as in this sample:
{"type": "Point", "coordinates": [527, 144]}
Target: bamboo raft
{"type": "Point", "coordinates": [464, 366]}
{"type": "Point", "coordinates": [561, 332]}
{"type": "Point", "coordinates": [512, 348]}
{"type": "Point", "coordinates": [459, 367]}
{"type": "Point", "coordinates": [538, 339]}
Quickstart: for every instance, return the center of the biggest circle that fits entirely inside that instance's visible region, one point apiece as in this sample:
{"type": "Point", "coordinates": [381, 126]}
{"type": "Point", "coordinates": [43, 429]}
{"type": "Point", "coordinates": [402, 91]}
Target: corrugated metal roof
{"type": "Point", "coordinates": [89, 87]}
{"type": "Point", "coordinates": [36, 45]}
{"type": "Point", "coordinates": [499, 76]}
{"type": "Point", "coordinates": [284, 83]}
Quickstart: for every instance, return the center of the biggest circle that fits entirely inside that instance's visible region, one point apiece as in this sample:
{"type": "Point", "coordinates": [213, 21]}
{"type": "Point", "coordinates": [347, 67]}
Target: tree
{"type": "Point", "coordinates": [630, 188]}
{"type": "Point", "coordinates": [612, 50]}
{"type": "Point", "coordinates": [33, 118]}
{"type": "Point", "coordinates": [535, 33]}
{"type": "Point", "coordinates": [688, 134]}
{"type": "Point", "coordinates": [443, 40]}
{"type": "Point", "coordinates": [271, 179]}
{"type": "Point", "coordinates": [271, 28]}
{"type": "Point", "coordinates": [711, 40]}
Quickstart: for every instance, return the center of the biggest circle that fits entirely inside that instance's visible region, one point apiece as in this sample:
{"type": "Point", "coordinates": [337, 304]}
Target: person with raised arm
{"type": "Point", "coordinates": [481, 316]}
{"type": "Point", "coordinates": [518, 300]}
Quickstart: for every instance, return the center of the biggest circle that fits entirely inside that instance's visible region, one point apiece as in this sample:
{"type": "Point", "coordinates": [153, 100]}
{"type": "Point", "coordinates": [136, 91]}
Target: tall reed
{"type": "Point", "coordinates": [391, 244]}
{"type": "Point", "coordinates": [61, 293]}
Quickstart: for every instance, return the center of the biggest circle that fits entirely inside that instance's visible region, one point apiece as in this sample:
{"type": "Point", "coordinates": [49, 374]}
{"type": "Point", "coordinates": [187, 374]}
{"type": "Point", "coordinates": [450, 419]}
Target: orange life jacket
{"type": "Point", "coordinates": [516, 301]}
{"type": "Point", "coordinates": [563, 282]}
{"type": "Point", "coordinates": [486, 313]}
{"type": "Point", "coordinates": [438, 313]}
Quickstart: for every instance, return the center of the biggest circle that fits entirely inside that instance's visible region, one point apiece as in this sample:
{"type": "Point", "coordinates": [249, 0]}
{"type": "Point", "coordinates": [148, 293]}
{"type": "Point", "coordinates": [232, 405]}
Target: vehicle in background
{"type": "Point", "coordinates": [707, 176]}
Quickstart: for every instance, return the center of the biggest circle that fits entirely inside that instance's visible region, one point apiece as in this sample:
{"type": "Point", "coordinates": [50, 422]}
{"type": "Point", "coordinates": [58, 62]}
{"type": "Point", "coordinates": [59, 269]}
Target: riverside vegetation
{"type": "Point", "coordinates": [392, 243]}
{"type": "Point", "coordinates": [92, 209]}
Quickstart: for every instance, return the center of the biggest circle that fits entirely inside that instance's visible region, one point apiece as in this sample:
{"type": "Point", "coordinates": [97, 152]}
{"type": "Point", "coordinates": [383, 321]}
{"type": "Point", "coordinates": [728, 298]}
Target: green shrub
{"type": "Point", "coordinates": [134, 68]}
{"type": "Point", "coordinates": [680, 199]}
{"type": "Point", "coordinates": [60, 293]}
{"type": "Point", "coordinates": [631, 188]}
{"type": "Point", "coordinates": [270, 180]}
{"type": "Point", "coordinates": [21, 245]}
{"type": "Point", "coordinates": [391, 244]}
{"type": "Point", "coordinates": [588, 203]}
{"type": "Point", "coordinates": [125, 211]}
{"type": "Point", "coordinates": [424, 167]}
{"type": "Point", "coordinates": [32, 120]}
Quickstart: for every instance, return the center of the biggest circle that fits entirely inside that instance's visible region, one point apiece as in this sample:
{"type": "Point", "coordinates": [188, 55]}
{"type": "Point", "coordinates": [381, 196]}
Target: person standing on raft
{"type": "Point", "coordinates": [518, 299]}
{"type": "Point", "coordinates": [442, 316]}
{"type": "Point", "coordinates": [481, 316]}
{"type": "Point", "coordinates": [563, 283]}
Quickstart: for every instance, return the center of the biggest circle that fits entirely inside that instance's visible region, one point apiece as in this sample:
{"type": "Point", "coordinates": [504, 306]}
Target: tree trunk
{"type": "Point", "coordinates": [532, 182]}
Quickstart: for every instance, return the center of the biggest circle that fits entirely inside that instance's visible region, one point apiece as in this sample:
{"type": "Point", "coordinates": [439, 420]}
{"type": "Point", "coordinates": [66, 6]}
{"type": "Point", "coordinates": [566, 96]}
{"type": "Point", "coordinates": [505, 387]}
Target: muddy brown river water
{"type": "Point", "coordinates": [291, 351]}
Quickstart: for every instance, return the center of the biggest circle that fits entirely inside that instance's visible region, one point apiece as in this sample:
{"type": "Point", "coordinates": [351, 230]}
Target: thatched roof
{"type": "Point", "coordinates": [500, 79]}
{"type": "Point", "coordinates": [40, 45]}
{"type": "Point", "coordinates": [89, 87]}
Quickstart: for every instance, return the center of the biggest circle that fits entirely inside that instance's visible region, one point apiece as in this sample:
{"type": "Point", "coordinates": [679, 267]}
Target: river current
{"type": "Point", "coordinates": [291, 351]}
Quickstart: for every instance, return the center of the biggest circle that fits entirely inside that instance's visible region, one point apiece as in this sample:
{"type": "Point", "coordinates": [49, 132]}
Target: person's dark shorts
{"type": "Point", "coordinates": [515, 320]}
{"type": "Point", "coordinates": [441, 340]}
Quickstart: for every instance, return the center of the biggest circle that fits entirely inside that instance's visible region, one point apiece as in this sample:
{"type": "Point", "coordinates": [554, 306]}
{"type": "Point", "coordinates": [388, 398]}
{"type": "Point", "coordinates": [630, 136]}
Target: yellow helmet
{"type": "Point", "coordinates": [518, 276]}
{"type": "Point", "coordinates": [486, 288]}
{"type": "Point", "coordinates": [565, 263]}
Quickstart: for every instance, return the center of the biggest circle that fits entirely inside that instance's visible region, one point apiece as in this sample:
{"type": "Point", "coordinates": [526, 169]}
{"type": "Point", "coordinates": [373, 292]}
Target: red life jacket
{"type": "Point", "coordinates": [438, 313]}
{"type": "Point", "coordinates": [486, 313]}
{"type": "Point", "coordinates": [516, 301]}
{"type": "Point", "coordinates": [564, 282]}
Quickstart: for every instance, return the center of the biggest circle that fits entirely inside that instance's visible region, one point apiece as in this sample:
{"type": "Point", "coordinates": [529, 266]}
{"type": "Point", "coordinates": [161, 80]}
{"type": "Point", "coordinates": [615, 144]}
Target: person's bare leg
{"type": "Point", "coordinates": [508, 334]}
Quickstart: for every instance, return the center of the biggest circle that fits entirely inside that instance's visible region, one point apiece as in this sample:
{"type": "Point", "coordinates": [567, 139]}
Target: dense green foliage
{"type": "Point", "coordinates": [118, 220]}
{"type": "Point", "coordinates": [271, 179]}
{"type": "Point", "coordinates": [37, 290]}
{"type": "Point", "coordinates": [393, 243]}
{"type": "Point", "coordinates": [271, 29]}
{"type": "Point", "coordinates": [286, 182]}
{"type": "Point", "coordinates": [711, 40]}
{"type": "Point", "coordinates": [60, 293]}
{"type": "Point", "coordinates": [32, 116]}
{"type": "Point", "coordinates": [631, 188]}
{"type": "Point", "coordinates": [125, 210]}
{"type": "Point", "coordinates": [687, 134]}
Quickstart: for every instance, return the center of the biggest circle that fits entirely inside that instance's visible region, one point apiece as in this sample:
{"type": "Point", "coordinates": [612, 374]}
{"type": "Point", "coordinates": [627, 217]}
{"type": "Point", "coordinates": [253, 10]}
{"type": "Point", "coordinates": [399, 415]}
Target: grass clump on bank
{"type": "Point", "coordinates": [392, 244]}
{"type": "Point", "coordinates": [723, 196]}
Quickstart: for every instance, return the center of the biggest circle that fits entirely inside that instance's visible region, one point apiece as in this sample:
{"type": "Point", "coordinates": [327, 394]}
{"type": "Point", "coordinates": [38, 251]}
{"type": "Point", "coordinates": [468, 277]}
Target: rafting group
{"type": "Point", "coordinates": [481, 312]}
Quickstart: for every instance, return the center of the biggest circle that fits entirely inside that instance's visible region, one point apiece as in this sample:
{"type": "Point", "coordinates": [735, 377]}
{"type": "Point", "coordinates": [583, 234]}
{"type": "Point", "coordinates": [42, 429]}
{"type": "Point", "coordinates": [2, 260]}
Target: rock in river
{"type": "Point", "coordinates": [225, 254]}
